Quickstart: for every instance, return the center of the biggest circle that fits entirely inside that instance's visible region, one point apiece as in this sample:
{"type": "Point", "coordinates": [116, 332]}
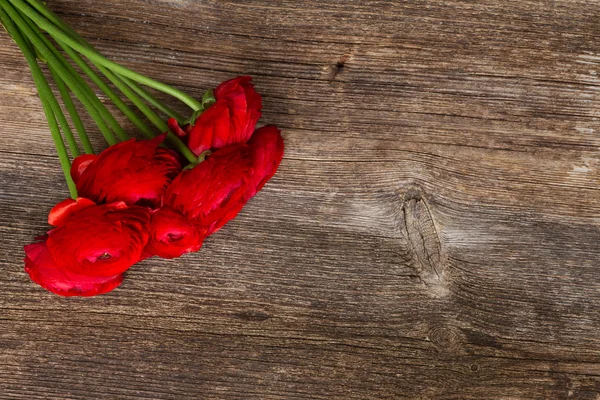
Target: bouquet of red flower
{"type": "Point", "coordinates": [138, 198]}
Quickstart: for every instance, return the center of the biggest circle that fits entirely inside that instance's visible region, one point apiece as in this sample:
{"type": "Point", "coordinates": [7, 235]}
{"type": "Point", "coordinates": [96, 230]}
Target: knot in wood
{"type": "Point", "coordinates": [447, 339]}
{"type": "Point", "coordinates": [424, 244]}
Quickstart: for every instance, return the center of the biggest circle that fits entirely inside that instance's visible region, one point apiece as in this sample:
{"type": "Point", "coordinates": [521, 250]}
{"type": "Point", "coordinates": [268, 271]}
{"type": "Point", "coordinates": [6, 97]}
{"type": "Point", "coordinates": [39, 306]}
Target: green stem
{"type": "Point", "coordinates": [187, 153]}
{"type": "Point", "coordinates": [59, 33]}
{"type": "Point", "coordinates": [70, 106]}
{"type": "Point", "coordinates": [143, 93]}
{"type": "Point", "coordinates": [149, 97]}
{"type": "Point", "coordinates": [114, 97]}
{"type": "Point", "coordinates": [68, 102]}
{"type": "Point", "coordinates": [58, 113]}
{"type": "Point", "coordinates": [44, 10]}
{"type": "Point", "coordinates": [182, 147]}
{"type": "Point", "coordinates": [136, 100]}
{"type": "Point", "coordinates": [83, 92]}
{"type": "Point", "coordinates": [107, 117]}
{"type": "Point", "coordinates": [147, 111]}
{"type": "Point", "coordinates": [62, 120]}
{"type": "Point", "coordinates": [120, 83]}
{"type": "Point", "coordinates": [45, 93]}
{"type": "Point", "coordinates": [153, 117]}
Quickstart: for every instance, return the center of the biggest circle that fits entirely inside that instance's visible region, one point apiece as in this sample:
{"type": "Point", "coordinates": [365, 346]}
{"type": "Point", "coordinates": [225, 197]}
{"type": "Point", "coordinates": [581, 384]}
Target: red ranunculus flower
{"type": "Point", "coordinates": [212, 193]}
{"type": "Point", "coordinates": [266, 148]}
{"type": "Point", "coordinates": [230, 120]}
{"type": "Point", "coordinates": [90, 247]}
{"type": "Point", "coordinates": [136, 172]}
{"type": "Point", "coordinates": [172, 234]}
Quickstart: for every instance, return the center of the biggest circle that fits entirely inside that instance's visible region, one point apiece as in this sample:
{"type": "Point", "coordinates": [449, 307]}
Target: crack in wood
{"type": "Point", "coordinates": [253, 315]}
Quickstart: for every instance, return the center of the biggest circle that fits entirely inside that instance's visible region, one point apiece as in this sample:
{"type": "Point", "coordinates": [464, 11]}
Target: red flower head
{"type": "Point", "coordinates": [212, 193]}
{"type": "Point", "coordinates": [91, 246]}
{"type": "Point", "coordinates": [136, 172]}
{"type": "Point", "coordinates": [266, 148]}
{"type": "Point", "coordinates": [230, 120]}
{"type": "Point", "coordinates": [172, 235]}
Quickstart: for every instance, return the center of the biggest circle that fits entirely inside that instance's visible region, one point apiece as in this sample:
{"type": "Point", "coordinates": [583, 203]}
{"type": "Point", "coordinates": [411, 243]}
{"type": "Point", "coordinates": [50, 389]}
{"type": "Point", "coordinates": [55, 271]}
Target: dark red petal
{"type": "Point", "coordinates": [266, 148]}
{"type": "Point", "coordinates": [228, 86]}
{"type": "Point", "coordinates": [212, 123]}
{"type": "Point", "coordinates": [175, 128]}
{"type": "Point", "coordinates": [62, 210]}
{"type": "Point", "coordinates": [80, 164]}
{"type": "Point", "coordinates": [172, 235]}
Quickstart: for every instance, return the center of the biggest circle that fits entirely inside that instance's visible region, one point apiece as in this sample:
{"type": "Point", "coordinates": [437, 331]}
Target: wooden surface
{"type": "Point", "coordinates": [433, 231]}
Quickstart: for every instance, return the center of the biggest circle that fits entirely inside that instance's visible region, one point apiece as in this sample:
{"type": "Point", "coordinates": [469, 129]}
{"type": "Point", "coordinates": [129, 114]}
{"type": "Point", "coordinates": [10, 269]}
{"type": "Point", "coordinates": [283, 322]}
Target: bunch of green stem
{"type": "Point", "coordinates": [40, 33]}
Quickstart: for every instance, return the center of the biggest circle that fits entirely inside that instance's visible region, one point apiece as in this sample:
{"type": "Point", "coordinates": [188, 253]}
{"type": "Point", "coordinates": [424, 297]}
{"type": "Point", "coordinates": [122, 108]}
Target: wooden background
{"type": "Point", "coordinates": [433, 231]}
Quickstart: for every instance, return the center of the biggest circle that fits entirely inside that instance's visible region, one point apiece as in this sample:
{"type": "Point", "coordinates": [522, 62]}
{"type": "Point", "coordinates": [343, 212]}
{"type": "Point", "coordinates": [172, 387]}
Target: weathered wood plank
{"type": "Point", "coordinates": [433, 231]}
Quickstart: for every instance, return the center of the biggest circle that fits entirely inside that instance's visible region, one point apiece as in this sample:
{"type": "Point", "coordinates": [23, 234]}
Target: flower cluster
{"type": "Point", "coordinates": [137, 201]}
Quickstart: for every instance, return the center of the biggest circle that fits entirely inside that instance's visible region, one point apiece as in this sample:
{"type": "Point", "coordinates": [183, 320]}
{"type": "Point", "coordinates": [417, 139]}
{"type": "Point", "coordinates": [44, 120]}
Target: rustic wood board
{"type": "Point", "coordinates": [433, 231]}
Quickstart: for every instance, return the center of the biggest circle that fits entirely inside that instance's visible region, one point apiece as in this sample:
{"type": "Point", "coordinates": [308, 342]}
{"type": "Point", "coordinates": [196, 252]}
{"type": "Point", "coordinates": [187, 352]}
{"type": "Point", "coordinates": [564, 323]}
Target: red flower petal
{"type": "Point", "coordinates": [211, 124]}
{"type": "Point", "coordinates": [175, 128]}
{"type": "Point", "coordinates": [100, 241]}
{"type": "Point", "coordinates": [230, 120]}
{"type": "Point", "coordinates": [211, 193]}
{"type": "Point", "coordinates": [135, 172]}
{"type": "Point", "coordinates": [172, 235]}
{"type": "Point", "coordinates": [80, 164]}
{"type": "Point", "coordinates": [266, 147]}
{"type": "Point", "coordinates": [62, 210]}
{"type": "Point", "coordinates": [44, 271]}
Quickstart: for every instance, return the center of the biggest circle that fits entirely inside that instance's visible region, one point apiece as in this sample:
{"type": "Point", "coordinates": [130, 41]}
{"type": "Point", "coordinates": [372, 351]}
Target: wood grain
{"type": "Point", "coordinates": [433, 231]}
